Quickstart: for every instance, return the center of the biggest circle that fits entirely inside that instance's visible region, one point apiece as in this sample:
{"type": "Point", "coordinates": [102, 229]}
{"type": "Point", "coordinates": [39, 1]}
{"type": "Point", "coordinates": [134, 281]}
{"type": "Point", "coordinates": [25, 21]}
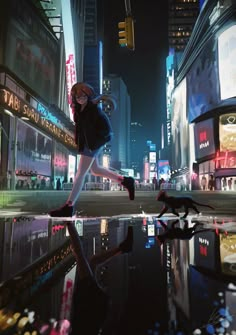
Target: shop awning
{"type": "Point", "coordinates": [179, 172]}
{"type": "Point", "coordinates": [225, 172]}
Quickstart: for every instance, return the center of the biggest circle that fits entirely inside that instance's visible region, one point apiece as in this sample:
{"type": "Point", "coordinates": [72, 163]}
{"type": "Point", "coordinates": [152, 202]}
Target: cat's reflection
{"type": "Point", "coordinates": [172, 232]}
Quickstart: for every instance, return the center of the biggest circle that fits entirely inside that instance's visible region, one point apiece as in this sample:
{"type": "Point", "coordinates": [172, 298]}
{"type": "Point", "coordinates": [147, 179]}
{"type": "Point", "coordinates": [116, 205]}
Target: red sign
{"type": "Point", "coordinates": [70, 75]}
{"type": "Point", "coordinates": [202, 136]}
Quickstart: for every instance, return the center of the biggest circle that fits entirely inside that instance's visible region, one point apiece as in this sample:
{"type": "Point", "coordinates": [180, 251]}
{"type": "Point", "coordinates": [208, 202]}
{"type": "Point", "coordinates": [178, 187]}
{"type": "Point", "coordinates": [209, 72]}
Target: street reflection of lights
{"type": "Point", "coordinates": [8, 112]}
{"type": "Point", "coordinates": [232, 287]}
{"type": "Point", "coordinates": [197, 332]}
{"type": "Point", "coordinates": [17, 277]}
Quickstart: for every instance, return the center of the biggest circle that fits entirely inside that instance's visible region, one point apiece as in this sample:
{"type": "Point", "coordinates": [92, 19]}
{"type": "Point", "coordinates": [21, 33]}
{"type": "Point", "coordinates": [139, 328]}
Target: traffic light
{"type": "Point", "coordinates": [122, 34]}
{"type": "Point", "coordinates": [126, 33]}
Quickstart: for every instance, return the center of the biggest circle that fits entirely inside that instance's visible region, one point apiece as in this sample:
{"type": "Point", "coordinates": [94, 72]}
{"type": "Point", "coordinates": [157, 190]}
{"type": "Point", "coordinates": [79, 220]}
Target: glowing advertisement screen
{"type": "Point", "coordinates": [204, 250]}
{"type": "Point", "coordinates": [204, 138]}
{"type": "Point", "coordinates": [152, 157]}
{"type": "Point", "coordinates": [180, 268]}
{"type": "Point", "coordinates": [151, 229]}
{"type": "Point", "coordinates": [163, 169]}
{"type": "Point", "coordinates": [227, 65]}
{"type": "Point", "coordinates": [228, 254]}
{"type": "Point", "coordinates": [67, 294]}
{"type": "Point", "coordinates": [180, 126]}
{"type": "Point", "coordinates": [71, 76]}
{"type": "Point", "coordinates": [31, 52]}
{"type": "Point", "coordinates": [71, 167]}
{"type": "Point", "coordinates": [60, 162]}
{"type": "Point", "coordinates": [227, 132]}
{"type": "Point", "coordinates": [202, 82]}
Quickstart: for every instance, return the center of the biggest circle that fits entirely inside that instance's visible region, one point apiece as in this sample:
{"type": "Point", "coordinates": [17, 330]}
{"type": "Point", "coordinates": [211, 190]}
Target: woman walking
{"type": "Point", "coordinates": [92, 131]}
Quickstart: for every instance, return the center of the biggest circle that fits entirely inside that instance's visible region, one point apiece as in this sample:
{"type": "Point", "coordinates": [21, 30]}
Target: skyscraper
{"type": "Point", "coordinates": [120, 120]}
{"type": "Point", "coordinates": [137, 147]}
{"type": "Point", "coordinates": [182, 17]}
{"type": "Point", "coordinates": [92, 66]}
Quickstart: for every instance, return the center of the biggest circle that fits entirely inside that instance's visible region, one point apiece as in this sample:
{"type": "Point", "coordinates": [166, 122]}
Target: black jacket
{"type": "Point", "coordinates": [93, 127]}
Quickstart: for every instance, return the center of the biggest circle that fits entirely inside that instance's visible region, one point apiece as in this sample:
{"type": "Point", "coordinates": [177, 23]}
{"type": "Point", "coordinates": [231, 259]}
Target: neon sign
{"type": "Point", "coordinates": [203, 250]}
{"type": "Point", "coordinates": [60, 162]}
{"type": "Point", "coordinates": [225, 160]}
{"type": "Point", "coordinates": [48, 116]}
{"type": "Point", "coordinates": [21, 108]}
{"type": "Point", "coordinates": [36, 276]}
{"type": "Point", "coordinates": [202, 136]}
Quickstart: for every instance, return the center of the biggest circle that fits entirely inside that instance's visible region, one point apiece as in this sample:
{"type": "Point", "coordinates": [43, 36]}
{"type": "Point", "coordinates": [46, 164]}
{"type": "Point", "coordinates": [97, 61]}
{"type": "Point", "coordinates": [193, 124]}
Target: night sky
{"type": "Point", "coordinates": [142, 70]}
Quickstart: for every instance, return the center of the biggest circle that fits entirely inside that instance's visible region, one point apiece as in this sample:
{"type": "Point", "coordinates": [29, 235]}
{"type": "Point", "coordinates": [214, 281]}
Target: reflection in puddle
{"type": "Point", "coordinates": [180, 277]}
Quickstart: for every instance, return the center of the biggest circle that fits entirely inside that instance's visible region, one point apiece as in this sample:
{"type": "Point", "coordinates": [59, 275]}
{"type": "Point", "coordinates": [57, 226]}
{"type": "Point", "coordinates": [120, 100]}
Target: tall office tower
{"type": "Point", "coordinates": [120, 120]}
{"type": "Point", "coordinates": [92, 47]}
{"type": "Point", "coordinates": [182, 17]}
{"type": "Point", "coordinates": [138, 146]}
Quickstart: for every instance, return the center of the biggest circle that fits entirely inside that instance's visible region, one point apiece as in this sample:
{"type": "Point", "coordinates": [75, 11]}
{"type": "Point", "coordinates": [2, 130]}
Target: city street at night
{"type": "Point", "coordinates": [117, 167]}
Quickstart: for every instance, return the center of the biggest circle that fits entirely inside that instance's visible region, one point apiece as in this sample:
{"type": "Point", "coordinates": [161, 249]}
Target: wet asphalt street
{"type": "Point", "coordinates": [109, 203]}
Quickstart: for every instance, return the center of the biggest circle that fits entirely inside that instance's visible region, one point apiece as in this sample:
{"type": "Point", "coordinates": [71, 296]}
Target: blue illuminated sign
{"type": "Point", "coordinates": [47, 115]}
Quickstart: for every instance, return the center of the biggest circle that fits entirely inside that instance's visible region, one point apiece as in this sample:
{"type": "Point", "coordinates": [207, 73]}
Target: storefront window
{"type": "Point", "coordinates": [33, 158]}
{"type": "Point", "coordinates": [60, 164]}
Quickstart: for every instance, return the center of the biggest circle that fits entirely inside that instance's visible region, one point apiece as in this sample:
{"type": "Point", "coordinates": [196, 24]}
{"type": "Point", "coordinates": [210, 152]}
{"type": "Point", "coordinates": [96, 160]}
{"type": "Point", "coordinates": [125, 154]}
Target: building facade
{"type": "Point", "coordinates": [182, 17]}
{"type": "Point", "coordinates": [120, 120]}
{"type": "Point", "coordinates": [137, 148]}
{"type": "Point", "coordinates": [36, 137]}
{"type": "Point", "coordinates": [203, 101]}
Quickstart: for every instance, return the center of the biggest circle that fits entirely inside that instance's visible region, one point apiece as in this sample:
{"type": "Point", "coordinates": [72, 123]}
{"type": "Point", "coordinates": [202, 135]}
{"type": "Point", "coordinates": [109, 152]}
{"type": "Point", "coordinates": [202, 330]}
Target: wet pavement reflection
{"type": "Point", "coordinates": [180, 277]}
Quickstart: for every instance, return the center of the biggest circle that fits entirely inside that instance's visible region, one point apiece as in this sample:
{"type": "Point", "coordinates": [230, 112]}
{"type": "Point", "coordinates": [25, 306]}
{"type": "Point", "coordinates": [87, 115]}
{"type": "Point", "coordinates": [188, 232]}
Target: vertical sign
{"type": "Point", "coordinates": [71, 77]}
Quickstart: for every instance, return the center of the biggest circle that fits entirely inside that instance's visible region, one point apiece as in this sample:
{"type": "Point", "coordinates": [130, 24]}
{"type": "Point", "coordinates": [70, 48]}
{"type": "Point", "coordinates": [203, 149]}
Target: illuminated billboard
{"type": "Point", "coordinates": [204, 250]}
{"type": "Point", "coordinates": [31, 52]}
{"type": "Point", "coordinates": [227, 132]}
{"type": "Point", "coordinates": [152, 157]}
{"type": "Point", "coordinates": [163, 169]}
{"type": "Point", "coordinates": [202, 82]}
{"type": "Point", "coordinates": [179, 127]}
{"type": "Point", "coordinates": [204, 138]}
{"type": "Point", "coordinates": [227, 65]}
{"type": "Point", "coordinates": [71, 75]}
{"type": "Point", "coordinates": [71, 167]}
{"type": "Point", "coordinates": [180, 268]}
{"type": "Point", "coordinates": [228, 254]}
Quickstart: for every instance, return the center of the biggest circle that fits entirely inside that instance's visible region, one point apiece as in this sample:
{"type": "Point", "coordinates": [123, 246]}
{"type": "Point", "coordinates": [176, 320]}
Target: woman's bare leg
{"type": "Point", "coordinates": [125, 246]}
{"type": "Point", "coordinates": [84, 269]}
{"type": "Point", "coordinates": [127, 182]}
{"type": "Point", "coordinates": [83, 168]}
{"type": "Point", "coordinates": [103, 257]}
{"type": "Point", "coordinates": [98, 170]}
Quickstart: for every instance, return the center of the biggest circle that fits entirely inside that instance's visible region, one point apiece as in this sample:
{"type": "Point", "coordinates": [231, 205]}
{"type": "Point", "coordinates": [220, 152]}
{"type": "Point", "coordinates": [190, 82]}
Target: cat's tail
{"type": "Point", "coordinates": [199, 204]}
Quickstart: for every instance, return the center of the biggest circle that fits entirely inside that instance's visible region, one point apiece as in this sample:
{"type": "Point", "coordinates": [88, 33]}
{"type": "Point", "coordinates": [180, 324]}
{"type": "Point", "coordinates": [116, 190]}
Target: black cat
{"type": "Point", "coordinates": [177, 202]}
{"type": "Point", "coordinates": [173, 232]}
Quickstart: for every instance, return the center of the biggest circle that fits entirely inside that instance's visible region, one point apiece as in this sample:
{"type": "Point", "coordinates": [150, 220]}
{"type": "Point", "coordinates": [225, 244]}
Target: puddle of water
{"type": "Point", "coordinates": [180, 277]}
